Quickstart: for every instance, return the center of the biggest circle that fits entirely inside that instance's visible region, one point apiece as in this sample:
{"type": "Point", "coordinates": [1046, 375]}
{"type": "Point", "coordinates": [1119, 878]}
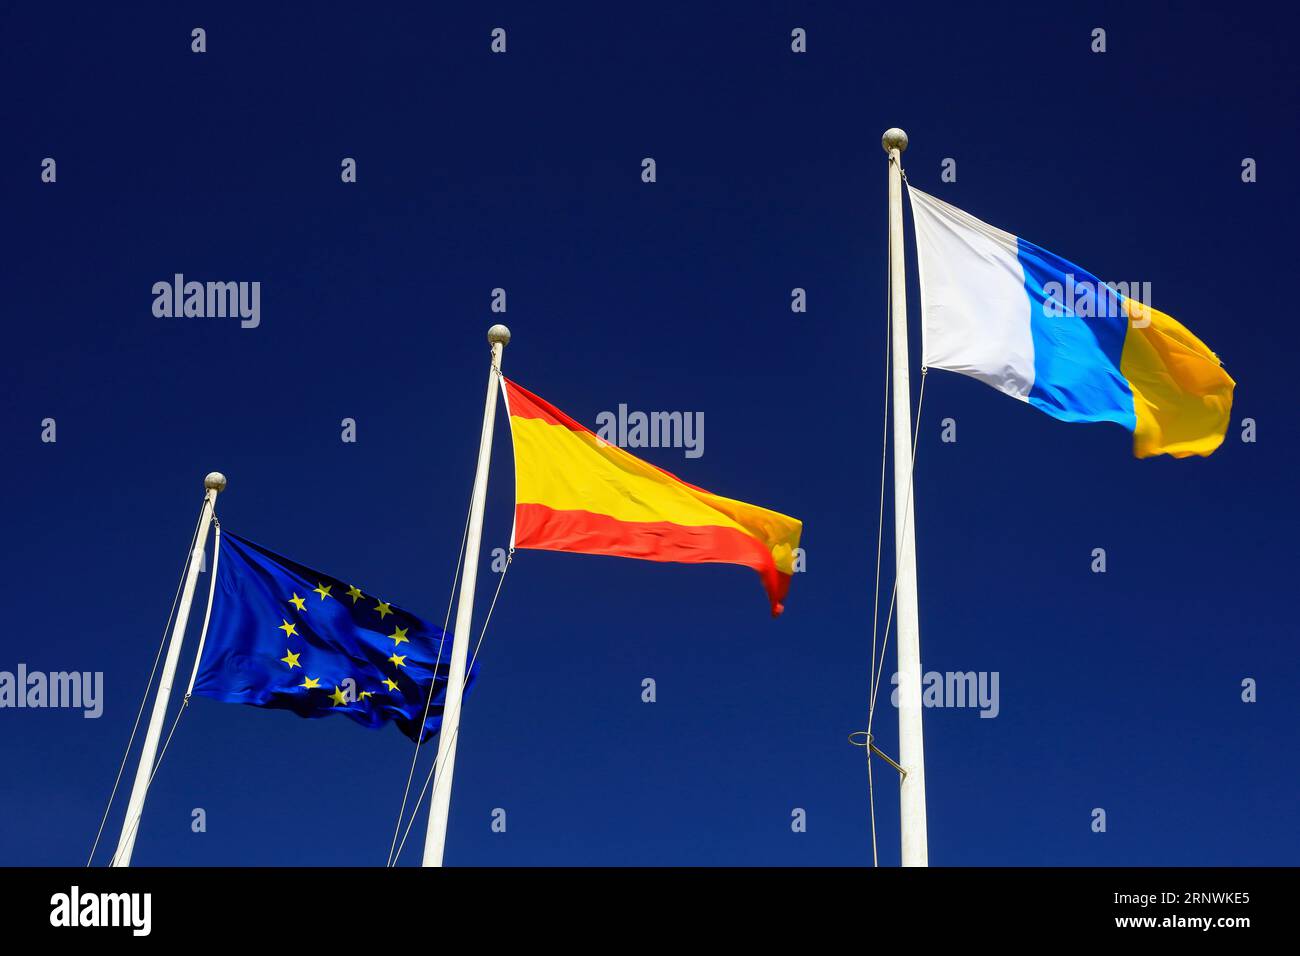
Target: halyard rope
{"type": "Point", "coordinates": [880, 531]}
{"type": "Point", "coordinates": [482, 633]}
{"type": "Point", "coordinates": [207, 614]}
{"type": "Point", "coordinates": [135, 824]}
{"type": "Point", "coordinates": [433, 685]}
{"type": "Point", "coordinates": [198, 658]}
{"type": "Point", "coordinates": [189, 556]}
{"type": "Point", "coordinates": [893, 595]}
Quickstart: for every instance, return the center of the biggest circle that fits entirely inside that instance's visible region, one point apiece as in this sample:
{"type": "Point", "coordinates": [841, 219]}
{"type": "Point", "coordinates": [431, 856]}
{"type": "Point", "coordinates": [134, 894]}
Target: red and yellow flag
{"type": "Point", "coordinates": [574, 491]}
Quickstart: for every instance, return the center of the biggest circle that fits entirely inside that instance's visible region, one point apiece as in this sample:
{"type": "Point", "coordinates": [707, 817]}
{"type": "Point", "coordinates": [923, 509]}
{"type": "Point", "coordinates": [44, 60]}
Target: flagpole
{"type": "Point", "coordinates": [215, 483]}
{"type": "Point", "coordinates": [435, 839]}
{"type": "Point", "coordinates": [911, 747]}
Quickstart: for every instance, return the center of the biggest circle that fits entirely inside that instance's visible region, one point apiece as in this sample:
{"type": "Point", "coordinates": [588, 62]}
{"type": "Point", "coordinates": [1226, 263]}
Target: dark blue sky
{"type": "Point", "coordinates": [1120, 691]}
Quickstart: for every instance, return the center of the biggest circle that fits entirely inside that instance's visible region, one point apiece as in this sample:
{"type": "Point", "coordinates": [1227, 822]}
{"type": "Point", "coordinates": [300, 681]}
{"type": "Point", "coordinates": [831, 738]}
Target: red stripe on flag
{"type": "Point", "coordinates": [524, 404]}
{"type": "Point", "coordinates": [545, 529]}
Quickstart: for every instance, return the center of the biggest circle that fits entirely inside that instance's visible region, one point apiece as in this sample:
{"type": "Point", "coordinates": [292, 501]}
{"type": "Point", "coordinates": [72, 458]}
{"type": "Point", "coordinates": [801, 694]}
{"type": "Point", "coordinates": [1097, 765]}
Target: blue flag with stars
{"type": "Point", "coordinates": [282, 635]}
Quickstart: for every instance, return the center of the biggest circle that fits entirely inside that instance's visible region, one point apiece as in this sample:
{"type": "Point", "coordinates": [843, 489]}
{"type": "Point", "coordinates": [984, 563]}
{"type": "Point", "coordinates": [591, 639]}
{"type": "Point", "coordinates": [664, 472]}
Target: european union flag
{"type": "Point", "coordinates": [282, 635]}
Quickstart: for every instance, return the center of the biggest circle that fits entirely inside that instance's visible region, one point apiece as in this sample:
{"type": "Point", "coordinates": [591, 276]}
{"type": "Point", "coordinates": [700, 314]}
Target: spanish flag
{"type": "Point", "coordinates": [574, 491]}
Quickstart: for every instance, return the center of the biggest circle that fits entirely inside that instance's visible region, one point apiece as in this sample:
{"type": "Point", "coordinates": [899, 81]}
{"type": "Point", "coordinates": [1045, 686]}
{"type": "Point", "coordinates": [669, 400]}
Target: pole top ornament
{"type": "Point", "coordinates": [894, 138]}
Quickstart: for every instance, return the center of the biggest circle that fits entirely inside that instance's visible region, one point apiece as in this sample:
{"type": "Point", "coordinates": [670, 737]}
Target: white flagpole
{"type": "Point", "coordinates": [435, 839]}
{"type": "Point", "coordinates": [911, 746]}
{"type": "Point", "coordinates": [214, 483]}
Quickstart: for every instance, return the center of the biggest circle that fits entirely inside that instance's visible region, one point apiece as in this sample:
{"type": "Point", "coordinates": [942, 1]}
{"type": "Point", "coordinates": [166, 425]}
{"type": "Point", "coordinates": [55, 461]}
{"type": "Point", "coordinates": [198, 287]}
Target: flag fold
{"type": "Point", "coordinates": [284, 636]}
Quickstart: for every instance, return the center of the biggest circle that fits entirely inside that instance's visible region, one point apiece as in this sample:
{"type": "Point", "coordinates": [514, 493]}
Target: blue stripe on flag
{"type": "Point", "coordinates": [1076, 358]}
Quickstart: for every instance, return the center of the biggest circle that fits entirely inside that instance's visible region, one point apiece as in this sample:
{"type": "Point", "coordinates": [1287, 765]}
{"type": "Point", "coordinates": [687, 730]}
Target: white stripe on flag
{"type": "Point", "coordinates": [974, 308]}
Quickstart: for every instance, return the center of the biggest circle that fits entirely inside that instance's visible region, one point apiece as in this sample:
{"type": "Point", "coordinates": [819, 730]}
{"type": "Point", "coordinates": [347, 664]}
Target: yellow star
{"type": "Point", "coordinates": [323, 590]}
{"type": "Point", "coordinates": [290, 630]}
{"type": "Point", "coordinates": [392, 684]}
{"type": "Point", "coordinates": [364, 694]}
{"type": "Point", "coordinates": [354, 592]}
{"type": "Point", "coordinates": [291, 659]}
{"type": "Point", "coordinates": [309, 683]}
{"type": "Point", "coordinates": [383, 609]}
{"type": "Point", "coordinates": [399, 659]}
{"type": "Point", "coordinates": [339, 697]}
{"type": "Point", "coordinates": [399, 635]}
{"type": "Point", "coordinates": [298, 602]}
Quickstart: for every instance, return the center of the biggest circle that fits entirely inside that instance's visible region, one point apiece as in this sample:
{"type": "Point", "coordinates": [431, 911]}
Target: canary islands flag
{"type": "Point", "coordinates": [284, 636]}
{"type": "Point", "coordinates": [1038, 328]}
{"type": "Point", "coordinates": [574, 491]}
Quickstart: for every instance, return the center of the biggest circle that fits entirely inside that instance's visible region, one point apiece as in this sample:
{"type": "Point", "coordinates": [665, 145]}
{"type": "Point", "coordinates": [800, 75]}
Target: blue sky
{"type": "Point", "coordinates": [522, 171]}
